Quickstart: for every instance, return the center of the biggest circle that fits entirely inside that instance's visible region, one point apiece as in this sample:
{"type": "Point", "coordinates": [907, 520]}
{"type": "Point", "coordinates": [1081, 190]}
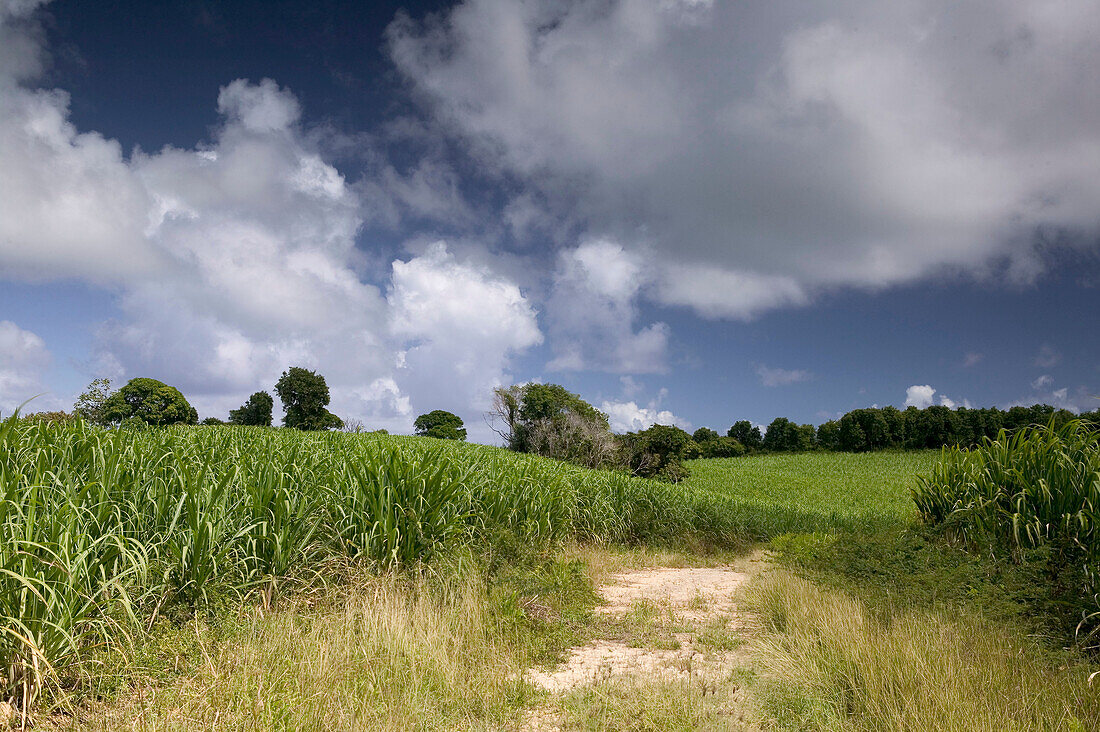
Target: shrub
{"type": "Point", "coordinates": [549, 420]}
{"type": "Point", "coordinates": [721, 447]}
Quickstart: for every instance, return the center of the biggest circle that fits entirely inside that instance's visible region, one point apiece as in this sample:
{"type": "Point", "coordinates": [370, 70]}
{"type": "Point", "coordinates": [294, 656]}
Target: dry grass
{"type": "Point", "coordinates": [827, 663]}
{"type": "Point", "coordinates": [393, 655]}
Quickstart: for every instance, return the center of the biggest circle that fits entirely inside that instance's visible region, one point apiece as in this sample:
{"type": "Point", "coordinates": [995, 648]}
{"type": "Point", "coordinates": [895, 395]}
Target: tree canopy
{"type": "Point", "coordinates": [254, 412]}
{"type": "Point", "coordinates": [440, 424]}
{"type": "Point", "coordinates": [150, 401]}
{"type": "Point", "coordinates": [305, 399]}
{"type": "Point", "coordinates": [89, 405]}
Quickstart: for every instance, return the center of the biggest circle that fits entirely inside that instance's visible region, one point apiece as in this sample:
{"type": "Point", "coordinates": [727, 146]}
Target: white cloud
{"type": "Point", "coordinates": [972, 359]}
{"type": "Point", "coordinates": [952, 404]}
{"type": "Point", "coordinates": [766, 156]}
{"type": "Point", "coordinates": [923, 395]}
{"type": "Point", "coordinates": [592, 313]}
{"type": "Point", "coordinates": [460, 325]}
{"type": "Point", "coordinates": [629, 417]}
{"type": "Point", "coordinates": [1042, 382]}
{"type": "Point", "coordinates": [781, 377]}
{"type": "Point", "coordinates": [237, 258]}
{"type": "Point", "coordinates": [24, 359]}
{"type": "Point", "coordinates": [1075, 400]}
{"type": "Point", "coordinates": [919, 396]}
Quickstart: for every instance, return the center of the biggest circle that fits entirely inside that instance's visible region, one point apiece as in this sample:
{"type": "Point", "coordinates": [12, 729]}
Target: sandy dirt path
{"type": "Point", "coordinates": [683, 607]}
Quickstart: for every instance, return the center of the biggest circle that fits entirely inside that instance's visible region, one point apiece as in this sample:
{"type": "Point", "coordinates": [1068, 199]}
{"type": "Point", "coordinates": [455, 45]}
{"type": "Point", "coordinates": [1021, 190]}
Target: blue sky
{"type": "Point", "coordinates": [686, 211]}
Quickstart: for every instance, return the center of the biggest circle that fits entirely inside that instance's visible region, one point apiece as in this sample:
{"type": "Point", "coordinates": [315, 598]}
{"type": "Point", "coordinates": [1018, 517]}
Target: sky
{"type": "Point", "coordinates": [687, 211]}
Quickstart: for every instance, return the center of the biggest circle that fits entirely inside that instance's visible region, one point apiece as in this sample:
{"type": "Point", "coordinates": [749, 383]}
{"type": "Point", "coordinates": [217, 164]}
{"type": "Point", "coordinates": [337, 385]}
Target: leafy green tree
{"type": "Point", "coordinates": [89, 405]}
{"type": "Point", "coordinates": [745, 433]}
{"type": "Point", "coordinates": [255, 412]}
{"type": "Point", "coordinates": [658, 452]}
{"type": "Point", "coordinates": [150, 401]}
{"type": "Point", "coordinates": [440, 424]}
{"type": "Point", "coordinates": [851, 436]}
{"type": "Point", "coordinates": [828, 435]}
{"type": "Point", "coordinates": [211, 422]}
{"type": "Point", "coordinates": [784, 435]}
{"type": "Point", "coordinates": [872, 424]}
{"type": "Point", "coordinates": [704, 434]}
{"type": "Point", "coordinates": [305, 397]}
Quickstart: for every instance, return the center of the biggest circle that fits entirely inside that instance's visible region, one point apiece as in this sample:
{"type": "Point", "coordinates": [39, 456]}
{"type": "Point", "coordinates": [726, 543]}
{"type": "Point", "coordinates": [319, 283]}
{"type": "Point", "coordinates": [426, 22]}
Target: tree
{"type": "Point", "coordinates": [704, 434]}
{"type": "Point", "coordinates": [782, 436]}
{"type": "Point", "coordinates": [305, 397]}
{"type": "Point", "coordinates": [211, 422]}
{"type": "Point", "coordinates": [89, 405]}
{"type": "Point", "coordinates": [440, 424]}
{"type": "Point", "coordinates": [746, 434]}
{"type": "Point", "coordinates": [503, 415]}
{"type": "Point", "coordinates": [828, 435]}
{"type": "Point", "coordinates": [658, 452]}
{"type": "Point", "coordinates": [255, 412]}
{"type": "Point", "coordinates": [150, 401]}
{"type": "Point", "coordinates": [549, 420]}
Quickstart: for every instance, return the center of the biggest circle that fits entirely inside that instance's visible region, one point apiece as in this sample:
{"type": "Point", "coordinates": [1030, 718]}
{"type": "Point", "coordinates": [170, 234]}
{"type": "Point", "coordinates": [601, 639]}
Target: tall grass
{"type": "Point", "coordinates": [102, 531]}
{"type": "Point", "coordinates": [828, 663]}
{"type": "Point", "coordinates": [1035, 492]}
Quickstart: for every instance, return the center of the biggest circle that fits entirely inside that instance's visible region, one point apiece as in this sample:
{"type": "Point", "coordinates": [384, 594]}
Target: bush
{"type": "Point", "coordinates": [720, 447]}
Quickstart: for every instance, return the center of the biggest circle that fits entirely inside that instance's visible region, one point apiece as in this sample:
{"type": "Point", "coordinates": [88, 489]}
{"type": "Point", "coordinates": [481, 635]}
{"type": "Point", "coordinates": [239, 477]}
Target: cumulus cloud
{"type": "Point", "coordinates": [781, 377]}
{"type": "Point", "coordinates": [459, 325]}
{"type": "Point", "coordinates": [923, 395]}
{"type": "Point", "coordinates": [237, 258]}
{"type": "Point", "coordinates": [766, 154]}
{"type": "Point", "coordinates": [592, 313]}
{"type": "Point", "coordinates": [628, 416]}
{"type": "Point", "coordinates": [23, 361]}
{"type": "Point", "coordinates": [919, 396]}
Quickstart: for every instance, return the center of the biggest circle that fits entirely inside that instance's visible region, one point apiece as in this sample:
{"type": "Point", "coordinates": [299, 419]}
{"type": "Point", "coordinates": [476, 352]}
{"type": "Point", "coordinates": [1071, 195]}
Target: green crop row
{"type": "Point", "coordinates": [102, 531]}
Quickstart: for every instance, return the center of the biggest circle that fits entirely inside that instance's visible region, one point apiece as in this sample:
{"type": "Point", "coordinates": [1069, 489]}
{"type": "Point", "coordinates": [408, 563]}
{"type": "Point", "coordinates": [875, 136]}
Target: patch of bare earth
{"type": "Point", "coordinates": [685, 607]}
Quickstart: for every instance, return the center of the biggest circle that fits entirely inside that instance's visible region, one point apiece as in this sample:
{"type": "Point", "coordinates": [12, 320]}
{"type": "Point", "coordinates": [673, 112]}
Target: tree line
{"type": "Point", "coordinates": [304, 395]}
{"type": "Point", "coordinates": [548, 420]}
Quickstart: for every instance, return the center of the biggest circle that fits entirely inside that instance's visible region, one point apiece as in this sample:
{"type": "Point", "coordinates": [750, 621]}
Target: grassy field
{"type": "Point", "coordinates": [807, 492]}
{"type": "Point", "coordinates": [103, 532]}
{"type": "Point", "coordinates": [250, 579]}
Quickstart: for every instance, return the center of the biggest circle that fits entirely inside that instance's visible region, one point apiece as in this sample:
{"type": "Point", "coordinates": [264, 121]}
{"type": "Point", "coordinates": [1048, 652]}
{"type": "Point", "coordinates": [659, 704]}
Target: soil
{"type": "Point", "coordinates": [684, 601]}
